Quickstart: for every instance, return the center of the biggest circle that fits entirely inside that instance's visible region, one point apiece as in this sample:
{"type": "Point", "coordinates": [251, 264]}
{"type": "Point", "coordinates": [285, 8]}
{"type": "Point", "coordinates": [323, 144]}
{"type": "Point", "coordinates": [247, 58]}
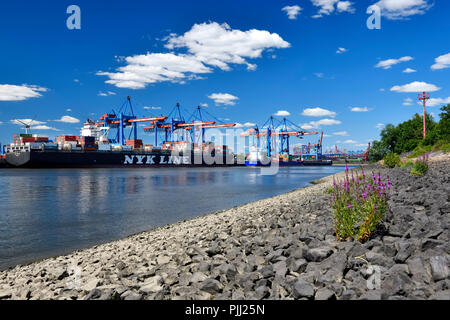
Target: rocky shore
{"type": "Point", "coordinates": [277, 248]}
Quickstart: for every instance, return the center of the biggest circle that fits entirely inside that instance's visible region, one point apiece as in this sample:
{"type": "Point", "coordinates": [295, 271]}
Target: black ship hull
{"type": "Point", "coordinates": [97, 159]}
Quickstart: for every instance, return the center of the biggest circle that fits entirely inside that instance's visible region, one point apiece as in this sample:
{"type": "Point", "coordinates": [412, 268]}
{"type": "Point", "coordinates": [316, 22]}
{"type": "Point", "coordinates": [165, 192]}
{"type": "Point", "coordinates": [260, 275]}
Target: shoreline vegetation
{"type": "Point", "coordinates": [282, 247]}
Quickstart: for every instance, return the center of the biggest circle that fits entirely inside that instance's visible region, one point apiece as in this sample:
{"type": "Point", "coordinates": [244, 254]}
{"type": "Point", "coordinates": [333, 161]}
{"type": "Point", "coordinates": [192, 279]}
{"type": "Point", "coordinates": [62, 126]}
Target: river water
{"type": "Point", "coordinates": [45, 213]}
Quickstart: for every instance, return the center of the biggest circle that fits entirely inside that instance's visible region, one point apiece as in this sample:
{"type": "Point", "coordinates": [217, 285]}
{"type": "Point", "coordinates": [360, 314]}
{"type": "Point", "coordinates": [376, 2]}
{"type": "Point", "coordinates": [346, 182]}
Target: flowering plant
{"type": "Point", "coordinates": [420, 167]}
{"type": "Point", "coordinates": [359, 204]}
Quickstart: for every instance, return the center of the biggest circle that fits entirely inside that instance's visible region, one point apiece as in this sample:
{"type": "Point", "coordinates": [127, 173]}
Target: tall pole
{"type": "Point", "coordinates": [424, 97]}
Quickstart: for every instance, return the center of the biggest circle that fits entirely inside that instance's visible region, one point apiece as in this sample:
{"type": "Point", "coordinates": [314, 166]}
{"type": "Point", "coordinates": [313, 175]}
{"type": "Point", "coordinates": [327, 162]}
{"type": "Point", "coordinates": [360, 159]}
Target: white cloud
{"type": "Point", "coordinates": [318, 112]}
{"type": "Point", "coordinates": [69, 110]}
{"type": "Point", "coordinates": [19, 93]}
{"type": "Point", "coordinates": [319, 74]}
{"type": "Point", "coordinates": [44, 128]}
{"type": "Point", "coordinates": [402, 9]}
{"type": "Point", "coordinates": [350, 142]}
{"type": "Point", "coordinates": [345, 6]}
{"type": "Point", "coordinates": [382, 90]}
{"type": "Point", "coordinates": [341, 50]}
{"type": "Point", "coordinates": [318, 124]}
{"type": "Point", "coordinates": [407, 102]}
{"type": "Point", "coordinates": [292, 11]}
{"type": "Point", "coordinates": [105, 94]}
{"type": "Point", "coordinates": [387, 64]}
{"type": "Point", "coordinates": [223, 98]}
{"type": "Point", "coordinates": [409, 70]}
{"type": "Point", "coordinates": [341, 133]}
{"type": "Point", "coordinates": [142, 70]}
{"type": "Point", "coordinates": [282, 113]}
{"type": "Point", "coordinates": [152, 108]}
{"type": "Point", "coordinates": [416, 86]}
{"type": "Point", "coordinates": [327, 7]}
{"type": "Point", "coordinates": [441, 62]}
{"type": "Point", "coordinates": [204, 105]}
{"type": "Point", "coordinates": [208, 45]}
{"type": "Point", "coordinates": [26, 121]}
{"type": "Point", "coordinates": [433, 102]}
{"type": "Point", "coordinates": [245, 125]}
{"type": "Point", "coordinates": [379, 126]}
{"type": "Point", "coordinates": [68, 119]}
{"type": "Point", "coordinates": [360, 109]}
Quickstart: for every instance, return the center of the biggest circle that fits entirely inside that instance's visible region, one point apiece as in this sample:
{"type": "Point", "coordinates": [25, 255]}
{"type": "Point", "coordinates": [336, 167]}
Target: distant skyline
{"type": "Point", "coordinates": [314, 62]}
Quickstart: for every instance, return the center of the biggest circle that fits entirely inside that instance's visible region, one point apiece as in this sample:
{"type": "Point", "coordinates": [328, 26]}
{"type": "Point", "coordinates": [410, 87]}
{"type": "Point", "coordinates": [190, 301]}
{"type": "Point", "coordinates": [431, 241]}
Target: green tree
{"type": "Point", "coordinates": [443, 127]}
{"type": "Point", "coordinates": [378, 151]}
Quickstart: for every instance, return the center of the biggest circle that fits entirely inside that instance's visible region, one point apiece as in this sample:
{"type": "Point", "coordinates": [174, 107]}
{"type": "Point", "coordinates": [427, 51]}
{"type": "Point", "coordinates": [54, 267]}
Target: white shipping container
{"type": "Point", "coordinates": [104, 147]}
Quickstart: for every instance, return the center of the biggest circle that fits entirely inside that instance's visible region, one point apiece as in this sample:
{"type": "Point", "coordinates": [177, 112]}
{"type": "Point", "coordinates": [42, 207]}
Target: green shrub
{"type": "Point", "coordinates": [420, 168]}
{"type": "Point", "coordinates": [359, 205]}
{"type": "Point", "coordinates": [406, 164]}
{"type": "Point", "coordinates": [420, 151]}
{"type": "Point", "coordinates": [392, 160]}
{"type": "Point", "coordinates": [446, 148]}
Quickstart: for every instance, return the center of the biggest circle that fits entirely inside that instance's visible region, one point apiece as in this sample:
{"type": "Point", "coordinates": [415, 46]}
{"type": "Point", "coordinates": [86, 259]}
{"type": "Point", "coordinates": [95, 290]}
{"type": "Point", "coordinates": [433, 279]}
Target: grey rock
{"type": "Point", "coordinates": [298, 265]}
{"type": "Point", "coordinates": [5, 294]}
{"type": "Point", "coordinates": [91, 284]}
{"type": "Point", "coordinates": [441, 295]}
{"type": "Point", "coordinates": [325, 294]}
{"type": "Point", "coordinates": [131, 295]}
{"type": "Point", "coordinates": [280, 268]}
{"type": "Point", "coordinates": [267, 271]}
{"type": "Point", "coordinates": [262, 283]}
{"type": "Point", "coordinates": [318, 254]}
{"type": "Point", "coordinates": [439, 267]}
{"type": "Point", "coordinates": [229, 270]}
{"type": "Point", "coordinates": [418, 271]}
{"type": "Point", "coordinates": [211, 286]}
{"type": "Point", "coordinates": [397, 284]}
{"type": "Point", "coordinates": [379, 259]}
{"type": "Point", "coordinates": [152, 285]}
{"type": "Point", "coordinates": [198, 277]}
{"type": "Point", "coordinates": [214, 249]}
{"type": "Point", "coordinates": [348, 294]}
{"type": "Point", "coordinates": [404, 250]}
{"type": "Point", "coordinates": [204, 266]}
{"type": "Point", "coordinates": [302, 289]}
{"type": "Point", "coordinates": [262, 292]}
{"type": "Point", "coordinates": [399, 268]}
{"type": "Point", "coordinates": [371, 295]}
{"type": "Point", "coordinates": [163, 259]}
{"type": "Point", "coordinates": [93, 295]}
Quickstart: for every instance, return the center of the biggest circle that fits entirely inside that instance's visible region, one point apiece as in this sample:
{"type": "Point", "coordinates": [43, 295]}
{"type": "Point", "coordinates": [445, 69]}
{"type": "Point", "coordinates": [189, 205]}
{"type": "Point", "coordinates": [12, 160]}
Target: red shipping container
{"type": "Point", "coordinates": [69, 138]}
{"type": "Point", "coordinates": [27, 139]}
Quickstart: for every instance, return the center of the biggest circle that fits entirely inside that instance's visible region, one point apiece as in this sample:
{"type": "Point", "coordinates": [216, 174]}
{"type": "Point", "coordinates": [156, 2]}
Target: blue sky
{"type": "Point", "coordinates": [264, 58]}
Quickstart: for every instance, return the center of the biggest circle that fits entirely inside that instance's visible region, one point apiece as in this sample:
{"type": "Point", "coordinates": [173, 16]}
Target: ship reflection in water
{"type": "Point", "coordinates": [50, 212]}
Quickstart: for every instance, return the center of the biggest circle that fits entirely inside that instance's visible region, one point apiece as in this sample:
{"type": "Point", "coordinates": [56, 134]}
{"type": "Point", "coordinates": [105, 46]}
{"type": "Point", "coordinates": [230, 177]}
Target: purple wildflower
{"type": "Point", "coordinates": [349, 206]}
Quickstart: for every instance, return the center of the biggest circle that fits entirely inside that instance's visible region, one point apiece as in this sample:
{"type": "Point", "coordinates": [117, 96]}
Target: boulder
{"type": "Point", "coordinates": [302, 289]}
{"type": "Point", "coordinates": [439, 267]}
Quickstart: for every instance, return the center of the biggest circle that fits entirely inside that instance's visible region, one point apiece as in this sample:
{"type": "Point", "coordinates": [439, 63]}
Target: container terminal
{"type": "Point", "coordinates": [179, 140]}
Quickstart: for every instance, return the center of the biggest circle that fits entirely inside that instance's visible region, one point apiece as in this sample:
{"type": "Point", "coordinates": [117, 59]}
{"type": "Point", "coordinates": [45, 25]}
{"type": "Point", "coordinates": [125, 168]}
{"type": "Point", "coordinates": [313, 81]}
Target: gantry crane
{"type": "Point", "coordinates": [123, 119]}
{"type": "Point", "coordinates": [274, 129]}
{"type": "Point", "coordinates": [196, 123]}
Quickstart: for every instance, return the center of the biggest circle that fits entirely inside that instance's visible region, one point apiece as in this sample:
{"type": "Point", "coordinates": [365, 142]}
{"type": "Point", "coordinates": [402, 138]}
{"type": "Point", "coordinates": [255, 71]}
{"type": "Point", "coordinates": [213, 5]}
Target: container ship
{"type": "Point", "coordinates": [37, 151]}
{"type": "Point", "coordinates": [103, 143]}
